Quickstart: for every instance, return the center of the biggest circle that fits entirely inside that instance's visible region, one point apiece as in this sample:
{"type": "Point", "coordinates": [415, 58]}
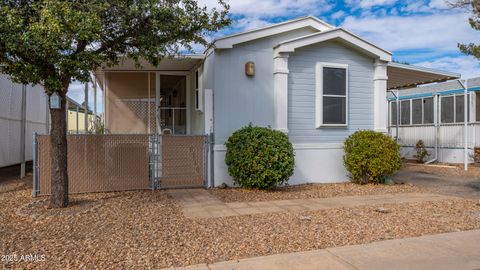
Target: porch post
{"type": "Point", "coordinates": [157, 103]}
{"type": "Point", "coordinates": [380, 96]}
{"type": "Point", "coordinates": [208, 113]}
{"type": "Point", "coordinates": [95, 98]}
{"type": "Point", "coordinates": [85, 109]}
{"type": "Point", "coordinates": [280, 92]}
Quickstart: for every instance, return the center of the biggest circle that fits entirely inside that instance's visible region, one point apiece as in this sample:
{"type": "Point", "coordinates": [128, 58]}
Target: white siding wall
{"type": "Point", "coordinates": [301, 92]}
{"type": "Point", "coordinates": [11, 116]}
{"type": "Point", "coordinates": [240, 99]}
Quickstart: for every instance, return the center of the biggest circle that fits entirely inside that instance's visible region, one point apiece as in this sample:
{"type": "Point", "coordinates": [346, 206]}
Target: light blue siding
{"type": "Point", "coordinates": [301, 92]}
{"type": "Point", "coordinates": [239, 99]}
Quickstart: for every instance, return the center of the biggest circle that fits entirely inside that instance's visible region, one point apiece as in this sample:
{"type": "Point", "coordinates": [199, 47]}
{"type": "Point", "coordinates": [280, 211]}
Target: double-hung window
{"type": "Point", "coordinates": [331, 102]}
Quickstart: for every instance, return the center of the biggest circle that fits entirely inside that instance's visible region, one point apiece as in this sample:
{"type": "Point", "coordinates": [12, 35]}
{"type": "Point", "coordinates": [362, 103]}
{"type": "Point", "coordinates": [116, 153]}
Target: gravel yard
{"type": "Point", "coordinates": [147, 230]}
{"type": "Point", "coordinates": [308, 191]}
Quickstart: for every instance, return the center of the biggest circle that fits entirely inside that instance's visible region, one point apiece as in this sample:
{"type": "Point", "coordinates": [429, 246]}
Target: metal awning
{"type": "Point", "coordinates": [403, 76]}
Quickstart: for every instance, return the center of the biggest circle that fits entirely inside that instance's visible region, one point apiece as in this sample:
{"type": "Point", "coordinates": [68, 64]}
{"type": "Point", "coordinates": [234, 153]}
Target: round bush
{"type": "Point", "coordinates": [371, 156]}
{"type": "Point", "coordinates": [259, 157]}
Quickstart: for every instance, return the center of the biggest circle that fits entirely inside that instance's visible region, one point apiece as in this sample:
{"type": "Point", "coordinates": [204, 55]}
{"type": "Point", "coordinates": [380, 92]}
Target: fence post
{"type": "Point", "coordinates": [35, 183]}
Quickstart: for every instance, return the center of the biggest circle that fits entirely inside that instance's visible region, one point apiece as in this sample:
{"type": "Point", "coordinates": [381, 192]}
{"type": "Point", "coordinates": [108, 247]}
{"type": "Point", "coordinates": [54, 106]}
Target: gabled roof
{"type": "Point", "coordinates": [227, 42]}
{"type": "Point", "coordinates": [336, 33]}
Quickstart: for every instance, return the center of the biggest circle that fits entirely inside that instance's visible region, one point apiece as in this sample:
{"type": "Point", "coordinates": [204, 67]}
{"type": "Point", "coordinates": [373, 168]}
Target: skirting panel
{"type": "Point", "coordinates": [313, 164]}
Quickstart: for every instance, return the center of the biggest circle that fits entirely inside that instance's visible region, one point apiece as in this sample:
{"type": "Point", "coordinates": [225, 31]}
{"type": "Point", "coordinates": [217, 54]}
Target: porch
{"type": "Point", "coordinates": [166, 99]}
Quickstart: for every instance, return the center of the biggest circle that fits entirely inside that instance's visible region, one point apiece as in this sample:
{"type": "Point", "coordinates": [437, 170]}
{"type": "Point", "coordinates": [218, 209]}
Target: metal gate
{"type": "Point", "coordinates": [178, 161]}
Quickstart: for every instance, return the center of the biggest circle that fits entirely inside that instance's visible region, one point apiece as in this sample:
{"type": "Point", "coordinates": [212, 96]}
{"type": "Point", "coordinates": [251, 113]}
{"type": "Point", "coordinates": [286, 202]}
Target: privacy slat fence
{"type": "Point", "coordinates": [114, 162]}
{"type": "Point", "coordinates": [183, 161]}
{"type": "Point", "coordinates": [99, 163]}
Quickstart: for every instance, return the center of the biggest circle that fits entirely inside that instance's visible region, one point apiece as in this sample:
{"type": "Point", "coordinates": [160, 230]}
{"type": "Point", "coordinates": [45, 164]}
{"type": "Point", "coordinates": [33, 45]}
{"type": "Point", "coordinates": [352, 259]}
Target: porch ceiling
{"type": "Point", "coordinates": [179, 63]}
{"type": "Point", "coordinates": [402, 76]}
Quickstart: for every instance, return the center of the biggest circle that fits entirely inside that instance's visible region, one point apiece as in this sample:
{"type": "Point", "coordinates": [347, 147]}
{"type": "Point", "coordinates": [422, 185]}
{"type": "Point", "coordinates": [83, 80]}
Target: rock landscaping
{"type": "Point", "coordinates": [309, 191]}
{"type": "Point", "coordinates": [147, 230]}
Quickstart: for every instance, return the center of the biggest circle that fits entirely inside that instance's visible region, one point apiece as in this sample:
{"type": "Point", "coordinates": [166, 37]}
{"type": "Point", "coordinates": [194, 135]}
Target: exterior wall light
{"type": "Point", "coordinates": [250, 68]}
{"type": "Point", "coordinates": [55, 101]}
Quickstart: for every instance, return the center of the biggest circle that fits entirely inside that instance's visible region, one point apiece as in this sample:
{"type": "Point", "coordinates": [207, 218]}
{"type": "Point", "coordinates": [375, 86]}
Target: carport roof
{"type": "Point", "coordinates": [407, 76]}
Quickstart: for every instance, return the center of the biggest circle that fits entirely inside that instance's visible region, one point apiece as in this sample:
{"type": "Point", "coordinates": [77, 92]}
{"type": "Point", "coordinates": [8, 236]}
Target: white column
{"type": "Point", "coordinates": [280, 92]}
{"type": "Point", "coordinates": [380, 96]}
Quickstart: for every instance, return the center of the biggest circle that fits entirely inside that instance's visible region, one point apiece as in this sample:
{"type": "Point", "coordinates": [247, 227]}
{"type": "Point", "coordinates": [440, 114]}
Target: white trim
{"type": "Point", "coordinates": [303, 22]}
{"type": "Point", "coordinates": [337, 33]}
{"type": "Point", "coordinates": [280, 92]}
{"type": "Point", "coordinates": [299, 146]}
{"type": "Point", "coordinates": [319, 94]}
{"type": "Point", "coordinates": [198, 94]}
{"type": "Point", "coordinates": [188, 103]}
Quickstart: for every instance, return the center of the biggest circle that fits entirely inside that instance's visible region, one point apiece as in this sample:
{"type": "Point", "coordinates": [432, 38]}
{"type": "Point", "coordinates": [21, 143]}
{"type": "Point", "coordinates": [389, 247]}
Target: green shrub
{"type": "Point", "coordinates": [259, 157]}
{"type": "Point", "coordinates": [371, 156]}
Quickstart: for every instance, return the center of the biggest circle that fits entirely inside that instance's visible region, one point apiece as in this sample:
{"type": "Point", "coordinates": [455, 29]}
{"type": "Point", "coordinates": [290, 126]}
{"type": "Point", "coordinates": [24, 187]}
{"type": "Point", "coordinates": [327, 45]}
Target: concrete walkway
{"type": "Point", "coordinates": [466, 187]}
{"type": "Point", "coordinates": [199, 203]}
{"type": "Point", "coordinates": [459, 250]}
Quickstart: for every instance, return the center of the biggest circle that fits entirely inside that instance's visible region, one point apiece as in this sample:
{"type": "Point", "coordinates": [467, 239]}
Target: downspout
{"type": "Point", "coordinates": [435, 121]}
{"type": "Point", "coordinates": [465, 123]}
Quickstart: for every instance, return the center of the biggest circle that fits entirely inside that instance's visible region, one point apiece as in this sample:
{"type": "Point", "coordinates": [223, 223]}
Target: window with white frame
{"type": "Point", "coordinates": [198, 90]}
{"type": "Point", "coordinates": [331, 95]}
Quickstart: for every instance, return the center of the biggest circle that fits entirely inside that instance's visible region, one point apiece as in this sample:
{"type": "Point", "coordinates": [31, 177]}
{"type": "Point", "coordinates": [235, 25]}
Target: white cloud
{"type": "Point", "coordinates": [369, 3]}
{"type": "Point", "coordinates": [337, 15]}
{"type": "Point", "coordinates": [437, 32]}
{"type": "Point", "coordinates": [468, 66]}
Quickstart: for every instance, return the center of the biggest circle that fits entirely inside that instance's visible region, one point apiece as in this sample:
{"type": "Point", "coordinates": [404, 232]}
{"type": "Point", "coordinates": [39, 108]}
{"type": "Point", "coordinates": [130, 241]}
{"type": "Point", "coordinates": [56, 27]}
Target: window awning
{"type": "Point", "coordinates": [407, 76]}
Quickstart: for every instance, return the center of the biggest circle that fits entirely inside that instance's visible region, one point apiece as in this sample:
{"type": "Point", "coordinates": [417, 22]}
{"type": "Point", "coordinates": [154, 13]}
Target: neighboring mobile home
{"type": "Point", "coordinates": [435, 114]}
{"type": "Point", "coordinates": [311, 80]}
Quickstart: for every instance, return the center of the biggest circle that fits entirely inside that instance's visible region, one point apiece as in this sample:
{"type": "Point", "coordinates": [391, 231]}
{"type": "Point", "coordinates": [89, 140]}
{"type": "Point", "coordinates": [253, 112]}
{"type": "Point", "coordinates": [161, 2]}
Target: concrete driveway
{"type": "Point", "coordinates": [466, 187]}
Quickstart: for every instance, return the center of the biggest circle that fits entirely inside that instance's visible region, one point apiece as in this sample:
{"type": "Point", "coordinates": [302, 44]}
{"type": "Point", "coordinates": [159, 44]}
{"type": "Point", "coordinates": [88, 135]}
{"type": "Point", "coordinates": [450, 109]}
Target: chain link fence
{"type": "Point", "coordinates": [113, 162]}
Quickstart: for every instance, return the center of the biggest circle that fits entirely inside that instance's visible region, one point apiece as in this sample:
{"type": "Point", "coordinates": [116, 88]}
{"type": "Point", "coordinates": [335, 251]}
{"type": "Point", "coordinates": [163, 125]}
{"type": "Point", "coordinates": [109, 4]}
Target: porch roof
{"type": "Point", "coordinates": [185, 63]}
{"type": "Point", "coordinates": [406, 76]}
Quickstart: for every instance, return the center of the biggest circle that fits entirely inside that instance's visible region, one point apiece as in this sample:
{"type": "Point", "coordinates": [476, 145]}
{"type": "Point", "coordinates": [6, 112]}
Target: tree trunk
{"type": "Point", "coordinates": [58, 155]}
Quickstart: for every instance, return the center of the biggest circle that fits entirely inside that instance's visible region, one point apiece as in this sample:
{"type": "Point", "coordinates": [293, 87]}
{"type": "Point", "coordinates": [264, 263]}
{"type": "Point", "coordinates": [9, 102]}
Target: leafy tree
{"type": "Point", "coordinates": [53, 42]}
{"type": "Point", "coordinates": [474, 20]}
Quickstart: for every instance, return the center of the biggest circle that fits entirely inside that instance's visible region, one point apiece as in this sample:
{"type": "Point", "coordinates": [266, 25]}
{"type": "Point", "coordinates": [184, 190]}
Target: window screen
{"type": "Point", "coordinates": [393, 114]}
{"type": "Point", "coordinates": [334, 81]}
{"type": "Point", "coordinates": [417, 111]}
{"type": "Point", "coordinates": [428, 111]}
{"type": "Point", "coordinates": [334, 110]}
{"type": "Point", "coordinates": [405, 112]}
{"type": "Point", "coordinates": [447, 109]}
{"type": "Point", "coordinates": [477, 108]}
{"type": "Point", "coordinates": [459, 108]}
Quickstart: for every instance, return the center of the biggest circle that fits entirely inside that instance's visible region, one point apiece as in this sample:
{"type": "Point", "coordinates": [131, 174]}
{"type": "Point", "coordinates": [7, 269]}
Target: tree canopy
{"type": "Point", "coordinates": [474, 20]}
{"type": "Point", "coordinates": [53, 42]}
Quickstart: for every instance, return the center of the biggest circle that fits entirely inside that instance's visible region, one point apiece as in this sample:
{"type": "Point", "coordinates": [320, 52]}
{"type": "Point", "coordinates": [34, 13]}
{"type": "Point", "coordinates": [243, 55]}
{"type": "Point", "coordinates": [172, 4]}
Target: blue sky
{"type": "Point", "coordinates": [422, 33]}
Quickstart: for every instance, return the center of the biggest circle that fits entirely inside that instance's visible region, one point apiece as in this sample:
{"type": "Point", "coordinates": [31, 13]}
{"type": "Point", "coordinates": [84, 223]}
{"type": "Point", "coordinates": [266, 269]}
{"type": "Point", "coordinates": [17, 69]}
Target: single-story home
{"type": "Point", "coordinates": [315, 82]}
